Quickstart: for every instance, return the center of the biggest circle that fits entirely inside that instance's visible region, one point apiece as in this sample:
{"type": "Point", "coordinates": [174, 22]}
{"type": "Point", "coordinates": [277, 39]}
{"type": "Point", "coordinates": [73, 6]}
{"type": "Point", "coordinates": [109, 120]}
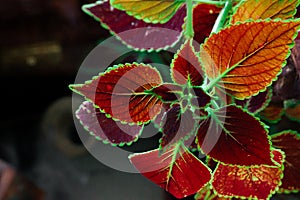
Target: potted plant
{"type": "Point", "coordinates": [215, 143]}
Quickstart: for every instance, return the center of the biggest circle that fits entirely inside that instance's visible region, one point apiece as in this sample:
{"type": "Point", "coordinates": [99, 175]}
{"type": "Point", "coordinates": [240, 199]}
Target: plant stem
{"type": "Point", "coordinates": [189, 32]}
{"type": "Point", "coordinates": [211, 2]}
{"type": "Point", "coordinates": [222, 17]}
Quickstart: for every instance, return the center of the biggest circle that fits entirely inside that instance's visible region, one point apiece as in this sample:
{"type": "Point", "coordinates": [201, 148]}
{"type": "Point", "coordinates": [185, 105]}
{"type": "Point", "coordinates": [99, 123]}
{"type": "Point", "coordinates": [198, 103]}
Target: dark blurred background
{"type": "Point", "coordinates": [42, 45]}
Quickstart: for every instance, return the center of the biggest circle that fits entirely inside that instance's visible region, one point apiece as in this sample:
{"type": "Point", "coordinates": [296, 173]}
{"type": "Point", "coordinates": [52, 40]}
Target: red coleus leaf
{"type": "Point", "coordinates": [177, 125]}
{"type": "Point", "coordinates": [256, 103]}
{"type": "Point", "coordinates": [141, 35]}
{"type": "Point", "coordinates": [177, 170]}
{"type": "Point", "coordinates": [289, 142]}
{"type": "Point", "coordinates": [249, 182]}
{"type": "Point", "coordinates": [122, 93]}
{"type": "Point", "coordinates": [204, 17]}
{"type": "Point", "coordinates": [232, 136]}
{"type": "Point", "coordinates": [104, 128]}
{"type": "Point", "coordinates": [186, 66]}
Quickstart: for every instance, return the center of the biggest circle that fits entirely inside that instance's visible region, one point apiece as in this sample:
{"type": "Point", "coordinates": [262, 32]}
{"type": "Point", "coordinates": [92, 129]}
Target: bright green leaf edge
{"type": "Point", "coordinates": [177, 5]}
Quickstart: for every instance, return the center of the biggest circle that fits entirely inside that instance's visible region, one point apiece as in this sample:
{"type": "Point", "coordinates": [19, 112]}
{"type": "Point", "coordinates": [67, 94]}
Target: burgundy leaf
{"type": "Point", "coordinates": [177, 125]}
{"type": "Point", "coordinates": [256, 103]}
{"type": "Point", "coordinates": [168, 92]}
{"type": "Point", "coordinates": [289, 142]}
{"type": "Point", "coordinates": [186, 66]}
{"type": "Point", "coordinates": [176, 170]}
{"type": "Point", "coordinates": [232, 136]}
{"type": "Point", "coordinates": [204, 17]}
{"type": "Point", "coordinates": [142, 35]}
{"type": "Point", "coordinates": [104, 128]}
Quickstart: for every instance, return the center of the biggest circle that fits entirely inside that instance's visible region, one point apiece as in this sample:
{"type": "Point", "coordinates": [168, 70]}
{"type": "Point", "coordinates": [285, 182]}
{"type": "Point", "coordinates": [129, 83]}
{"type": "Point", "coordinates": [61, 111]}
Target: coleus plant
{"type": "Point", "coordinates": [212, 104]}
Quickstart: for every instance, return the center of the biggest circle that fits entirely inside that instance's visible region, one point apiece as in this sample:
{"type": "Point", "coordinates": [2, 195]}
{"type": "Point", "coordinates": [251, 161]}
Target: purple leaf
{"type": "Point", "coordinates": [142, 35]}
{"type": "Point", "coordinates": [106, 129]}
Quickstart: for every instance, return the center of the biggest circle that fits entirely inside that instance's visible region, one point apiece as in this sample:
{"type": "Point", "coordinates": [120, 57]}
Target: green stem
{"type": "Point", "coordinates": [189, 32]}
{"type": "Point", "coordinates": [220, 22]}
{"type": "Point", "coordinates": [211, 2]}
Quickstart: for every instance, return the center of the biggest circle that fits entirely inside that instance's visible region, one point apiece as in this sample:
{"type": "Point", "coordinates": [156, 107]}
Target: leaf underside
{"type": "Point", "coordinates": [138, 34]}
{"type": "Point", "coordinates": [244, 59]}
{"type": "Point", "coordinates": [106, 129]}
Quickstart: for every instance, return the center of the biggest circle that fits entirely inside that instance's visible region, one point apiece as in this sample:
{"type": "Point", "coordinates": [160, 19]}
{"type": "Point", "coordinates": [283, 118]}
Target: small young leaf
{"type": "Point", "coordinates": [168, 92]}
{"type": "Point", "coordinates": [255, 9]}
{"type": "Point", "coordinates": [104, 128]}
{"type": "Point", "coordinates": [256, 103]}
{"type": "Point", "coordinates": [186, 66]}
{"type": "Point", "coordinates": [272, 113]}
{"type": "Point", "coordinates": [232, 136]}
{"type": "Point", "coordinates": [177, 126]}
{"type": "Point", "coordinates": [121, 92]}
{"type": "Point", "coordinates": [142, 35]}
{"type": "Point", "coordinates": [289, 142]}
{"type": "Point", "coordinates": [204, 17]}
{"type": "Point", "coordinates": [258, 182]}
{"type": "Point", "coordinates": [293, 111]}
{"type": "Point", "coordinates": [200, 99]}
{"type": "Point", "coordinates": [244, 59]}
{"type": "Point", "coordinates": [148, 10]}
{"type": "Point", "coordinates": [177, 170]}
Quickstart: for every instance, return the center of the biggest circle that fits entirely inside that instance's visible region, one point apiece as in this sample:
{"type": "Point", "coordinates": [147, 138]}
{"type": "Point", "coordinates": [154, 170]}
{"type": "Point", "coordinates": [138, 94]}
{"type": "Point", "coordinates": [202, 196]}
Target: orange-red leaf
{"type": "Point", "coordinates": [149, 11]}
{"type": "Point", "coordinates": [257, 182]}
{"type": "Point", "coordinates": [121, 92]}
{"type": "Point", "coordinates": [289, 142]}
{"type": "Point", "coordinates": [256, 9]}
{"type": "Point", "coordinates": [245, 58]}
